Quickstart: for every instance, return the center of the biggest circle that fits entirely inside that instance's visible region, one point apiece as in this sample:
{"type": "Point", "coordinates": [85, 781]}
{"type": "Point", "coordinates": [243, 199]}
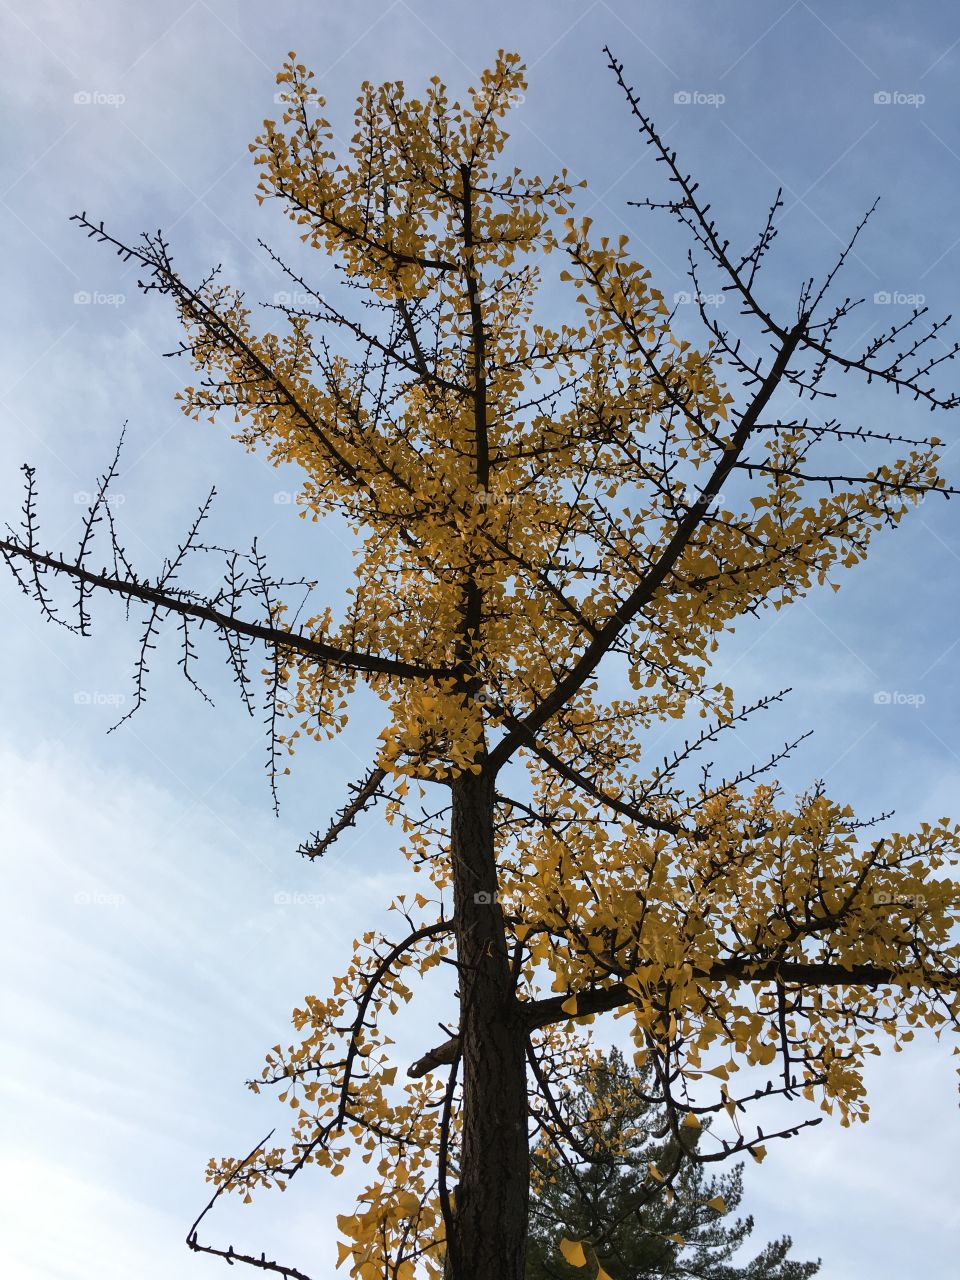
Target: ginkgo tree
{"type": "Point", "coordinates": [561, 504]}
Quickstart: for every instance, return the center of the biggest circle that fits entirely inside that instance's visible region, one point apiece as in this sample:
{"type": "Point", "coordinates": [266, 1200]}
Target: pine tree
{"type": "Point", "coordinates": [595, 1190]}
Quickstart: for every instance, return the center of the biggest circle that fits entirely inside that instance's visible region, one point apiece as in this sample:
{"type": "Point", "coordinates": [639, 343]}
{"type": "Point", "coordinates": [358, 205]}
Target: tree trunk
{"type": "Point", "coordinates": [490, 1217]}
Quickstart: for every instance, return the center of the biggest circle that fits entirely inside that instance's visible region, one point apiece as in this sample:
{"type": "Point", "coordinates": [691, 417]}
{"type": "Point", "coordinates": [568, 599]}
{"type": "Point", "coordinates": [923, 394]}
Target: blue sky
{"type": "Point", "coordinates": [152, 963]}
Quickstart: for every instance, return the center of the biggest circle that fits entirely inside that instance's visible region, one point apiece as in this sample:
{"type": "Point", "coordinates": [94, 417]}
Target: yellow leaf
{"type": "Point", "coordinates": [570, 1005]}
{"type": "Point", "coordinates": [572, 1250]}
{"type": "Point", "coordinates": [721, 1072]}
{"type": "Point", "coordinates": [408, 1203]}
{"type": "Point", "coordinates": [718, 1203]}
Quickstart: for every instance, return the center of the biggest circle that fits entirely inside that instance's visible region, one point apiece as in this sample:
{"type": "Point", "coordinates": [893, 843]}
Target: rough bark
{"type": "Point", "coordinates": [488, 1240]}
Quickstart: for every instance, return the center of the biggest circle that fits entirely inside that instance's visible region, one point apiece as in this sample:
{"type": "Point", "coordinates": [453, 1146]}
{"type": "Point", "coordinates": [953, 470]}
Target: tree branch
{"type": "Point", "coordinates": [295, 642]}
{"type": "Point", "coordinates": [543, 1013]}
{"type": "Point", "coordinates": [651, 582]}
